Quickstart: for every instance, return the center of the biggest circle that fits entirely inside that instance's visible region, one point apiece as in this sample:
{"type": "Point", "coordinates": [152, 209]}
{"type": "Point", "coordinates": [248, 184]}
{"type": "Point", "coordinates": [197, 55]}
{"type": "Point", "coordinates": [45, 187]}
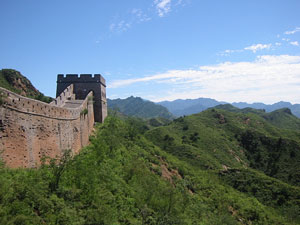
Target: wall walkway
{"type": "Point", "coordinates": [30, 129]}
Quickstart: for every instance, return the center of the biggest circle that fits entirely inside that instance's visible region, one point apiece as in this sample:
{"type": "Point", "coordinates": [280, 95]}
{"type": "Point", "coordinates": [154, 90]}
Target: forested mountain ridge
{"type": "Point", "coordinates": [135, 106]}
{"type": "Point", "coordinates": [282, 118]}
{"type": "Point", "coordinates": [215, 167]}
{"type": "Point", "coordinates": [212, 139]}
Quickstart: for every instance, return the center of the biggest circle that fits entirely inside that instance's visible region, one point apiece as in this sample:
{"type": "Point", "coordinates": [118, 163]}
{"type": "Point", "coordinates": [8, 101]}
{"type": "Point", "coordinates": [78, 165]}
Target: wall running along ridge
{"type": "Point", "coordinates": [31, 129]}
{"type": "Point", "coordinates": [82, 85]}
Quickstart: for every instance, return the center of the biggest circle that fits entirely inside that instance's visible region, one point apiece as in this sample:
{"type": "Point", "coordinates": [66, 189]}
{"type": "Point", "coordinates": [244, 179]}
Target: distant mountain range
{"type": "Point", "coordinates": [136, 106]}
{"type": "Point", "coordinates": [181, 107]}
{"type": "Point", "coordinates": [190, 106]}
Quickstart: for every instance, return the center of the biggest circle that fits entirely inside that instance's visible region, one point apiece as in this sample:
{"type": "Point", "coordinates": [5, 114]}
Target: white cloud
{"type": "Point", "coordinates": [227, 52]}
{"type": "Point", "coordinates": [163, 7]}
{"type": "Point", "coordinates": [133, 17]}
{"type": "Point", "coordinates": [297, 29]}
{"type": "Point", "coordinates": [120, 26]}
{"type": "Point", "coordinates": [256, 47]}
{"type": "Point", "coordinates": [135, 11]}
{"type": "Point", "coordinates": [268, 79]}
{"type": "Point", "coordinates": [278, 44]}
{"type": "Point", "coordinates": [295, 43]}
{"type": "Point", "coordinates": [112, 26]}
{"type": "Point", "coordinates": [137, 15]}
{"type": "Point", "coordinates": [140, 15]}
{"type": "Point", "coordinates": [182, 2]}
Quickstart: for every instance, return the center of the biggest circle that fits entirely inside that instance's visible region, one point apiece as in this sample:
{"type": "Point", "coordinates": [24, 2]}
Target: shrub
{"type": "Point", "coordinates": [84, 112]}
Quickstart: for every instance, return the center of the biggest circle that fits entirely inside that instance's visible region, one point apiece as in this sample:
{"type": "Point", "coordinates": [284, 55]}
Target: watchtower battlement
{"type": "Point", "coordinates": [84, 84]}
{"type": "Point", "coordinates": [31, 129]}
{"type": "Point", "coordinates": [81, 78]}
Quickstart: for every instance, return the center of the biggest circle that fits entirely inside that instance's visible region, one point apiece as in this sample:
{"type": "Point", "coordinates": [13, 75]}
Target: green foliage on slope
{"type": "Point", "coordinates": [216, 138]}
{"type": "Point", "coordinates": [135, 106]}
{"type": "Point", "coordinates": [282, 118]}
{"type": "Point", "coordinates": [131, 174]}
{"type": "Point", "coordinates": [269, 191]}
{"type": "Point", "coordinates": [14, 81]}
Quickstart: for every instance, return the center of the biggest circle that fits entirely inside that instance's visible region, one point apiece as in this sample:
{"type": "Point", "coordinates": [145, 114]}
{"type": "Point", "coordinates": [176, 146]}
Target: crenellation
{"type": "Point", "coordinates": [80, 78]}
{"type": "Point", "coordinates": [85, 76]}
{"type": "Point", "coordinates": [82, 85]}
{"type": "Point", "coordinates": [30, 128]}
{"type": "Point", "coordinates": [71, 75]}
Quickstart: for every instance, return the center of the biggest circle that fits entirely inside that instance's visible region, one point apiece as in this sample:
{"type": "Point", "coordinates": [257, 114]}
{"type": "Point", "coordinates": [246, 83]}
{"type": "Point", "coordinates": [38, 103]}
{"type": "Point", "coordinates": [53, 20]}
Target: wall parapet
{"type": "Point", "coordinates": [38, 108]}
{"type": "Point", "coordinates": [82, 85]}
{"type": "Point", "coordinates": [67, 94]}
{"type": "Point", "coordinates": [81, 78]}
{"type": "Point", "coordinates": [30, 129]}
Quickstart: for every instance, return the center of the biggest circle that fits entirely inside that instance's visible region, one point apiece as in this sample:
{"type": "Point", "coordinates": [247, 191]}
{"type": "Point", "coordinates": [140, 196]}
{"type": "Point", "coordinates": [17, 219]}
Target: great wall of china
{"type": "Point", "coordinates": [31, 129]}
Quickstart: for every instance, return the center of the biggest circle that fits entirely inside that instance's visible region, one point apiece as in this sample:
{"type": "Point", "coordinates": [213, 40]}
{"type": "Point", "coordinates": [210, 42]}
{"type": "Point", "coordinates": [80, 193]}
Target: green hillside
{"type": "Point", "coordinates": [138, 107]}
{"type": "Point", "coordinates": [14, 81]}
{"type": "Point", "coordinates": [282, 118]}
{"type": "Point", "coordinates": [200, 169]}
{"type": "Point", "coordinates": [218, 138]}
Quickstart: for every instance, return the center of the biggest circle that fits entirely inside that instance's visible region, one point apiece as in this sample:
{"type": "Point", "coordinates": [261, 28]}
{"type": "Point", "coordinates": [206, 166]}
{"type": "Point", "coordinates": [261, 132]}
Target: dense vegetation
{"type": "Point", "coordinates": [214, 137]}
{"type": "Point", "coordinates": [138, 107]}
{"type": "Point", "coordinates": [14, 81]}
{"type": "Point", "coordinates": [282, 118]}
{"type": "Point", "coordinates": [195, 170]}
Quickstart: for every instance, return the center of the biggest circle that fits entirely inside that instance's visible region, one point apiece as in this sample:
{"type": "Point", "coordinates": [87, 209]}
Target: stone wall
{"type": "Point", "coordinates": [82, 85]}
{"type": "Point", "coordinates": [30, 129]}
{"type": "Point", "coordinates": [67, 94]}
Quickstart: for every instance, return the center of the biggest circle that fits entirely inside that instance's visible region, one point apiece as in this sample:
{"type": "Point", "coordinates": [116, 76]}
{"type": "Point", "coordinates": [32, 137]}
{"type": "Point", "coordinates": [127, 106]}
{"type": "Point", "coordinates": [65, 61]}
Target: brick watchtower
{"type": "Point", "coordinates": [84, 84]}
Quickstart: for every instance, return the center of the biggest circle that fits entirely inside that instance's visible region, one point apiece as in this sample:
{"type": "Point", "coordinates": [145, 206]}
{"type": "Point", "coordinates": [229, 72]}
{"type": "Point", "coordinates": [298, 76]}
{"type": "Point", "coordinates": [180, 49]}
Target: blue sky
{"type": "Point", "coordinates": [229, 50]}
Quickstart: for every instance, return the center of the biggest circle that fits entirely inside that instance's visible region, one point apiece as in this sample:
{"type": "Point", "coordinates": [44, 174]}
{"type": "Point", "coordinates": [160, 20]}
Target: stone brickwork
{"type": "Point", "coordinates": [65, 95]}
{"type": "Point", "coordinates": [84, 84]}
{"type": "Point", "coordinates": [30, 129]}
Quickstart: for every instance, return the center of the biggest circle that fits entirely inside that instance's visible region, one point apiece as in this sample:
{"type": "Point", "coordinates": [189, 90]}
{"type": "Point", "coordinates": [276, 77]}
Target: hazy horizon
{"type": "Point", "coordinates": [203, 97]}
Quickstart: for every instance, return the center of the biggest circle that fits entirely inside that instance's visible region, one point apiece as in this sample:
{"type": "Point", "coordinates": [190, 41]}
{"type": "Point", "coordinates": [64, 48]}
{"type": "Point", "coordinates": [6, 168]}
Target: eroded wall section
{"type": "Point", "coordinates": [30, 129]}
